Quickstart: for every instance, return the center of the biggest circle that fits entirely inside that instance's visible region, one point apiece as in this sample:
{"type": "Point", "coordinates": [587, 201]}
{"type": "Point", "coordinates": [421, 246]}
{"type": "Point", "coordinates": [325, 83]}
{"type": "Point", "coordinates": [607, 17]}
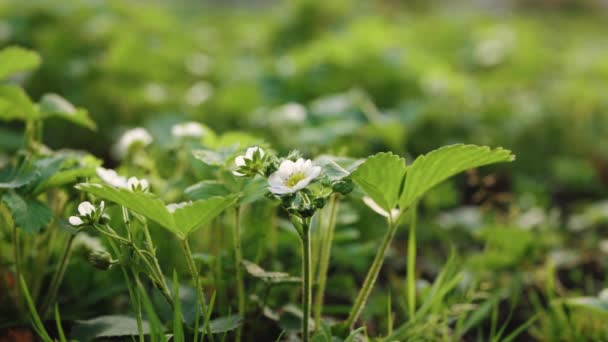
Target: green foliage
{"type": "Point", "coordinates": [53, 105]}
{"type": "Point", "coordinates": [381, 177]}
{"type": "Point", "coordinates": [110, 326]}
{"type": "Point", "coordinates": [30, 215]}
{"type": "Point", "coordinates": [435, 167]}
{"type": "Point", "coordinates": [15, 104]}
{"type": "Point", "coordinates": [15, 59]}
{"type": "Point", "coordinates": [181, 221]}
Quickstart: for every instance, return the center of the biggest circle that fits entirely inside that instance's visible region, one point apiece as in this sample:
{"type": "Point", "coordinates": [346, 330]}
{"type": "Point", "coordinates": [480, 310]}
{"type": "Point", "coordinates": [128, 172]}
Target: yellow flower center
{"type": "Point", "coordinates": [294, 178]}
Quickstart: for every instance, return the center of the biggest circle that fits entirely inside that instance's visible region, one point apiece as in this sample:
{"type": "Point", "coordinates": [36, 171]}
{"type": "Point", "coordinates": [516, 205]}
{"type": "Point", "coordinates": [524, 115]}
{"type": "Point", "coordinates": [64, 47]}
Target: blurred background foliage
{"type": "Point", "coordinates": [353, 78]}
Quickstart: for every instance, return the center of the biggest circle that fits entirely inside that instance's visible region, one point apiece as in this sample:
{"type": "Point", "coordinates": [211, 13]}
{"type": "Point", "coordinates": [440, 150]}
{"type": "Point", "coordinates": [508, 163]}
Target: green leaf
{"type": "Point", "coordinates": [337, 168]}
{"type": "Point", "coordinates": [206, 189]}
{"type": "Point", "coordinates": [23, 177]}
{"type": "Point", "coordinates": [218, 157]}
{"type": "Point", "coordinates": [53, 105]}
{"type": "Point", "coordinates": [15, 59]}
{"type": "Point", "coordinates": [594, 304]}
{"type": "Point", "coordinates": [107, 327]}
{"type": "Point", "coordinates": [15, 104]}
{"type": "Point", "coordinates": [224, 324]}
{"type": "Point", "coordinates": [270, 277]}
{"type": "Point", "coordinates": [380, 177]}
{"type": "Point", "coordinates": [28, 214]}
{"type": "Point", "coordinates": [181, 221]}
{"type": "Point", "coordinates": [435, 167]}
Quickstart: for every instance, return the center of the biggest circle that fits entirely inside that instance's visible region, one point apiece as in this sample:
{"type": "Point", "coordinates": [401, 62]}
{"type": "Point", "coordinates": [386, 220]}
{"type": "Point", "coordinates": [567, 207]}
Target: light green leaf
{"type": "Point", "coordinates": [224, 324]}
{"type": "Point", "coordinates": [28, 214]}
{"type": "Point", "coordinates": [206, 189]}
{"type": "Point", "coordinates": [53, 105]}
{"type": "Point", "coordinates": [435, 167]}
{"type": "Point", "coordinates": [181, 221]}
{"type": "Point", "coordinates": [597, 305]}
{"type": "Point", "coordinates": [15, 104]}
{"type": "Point", "coordinates": [380, 177]}
{"type": "Point", "coordinates": [107, 327]}
{"type": "Point", "coordinates": [15, 59]}
{"type": "Point", "coordinates": [271, 277]}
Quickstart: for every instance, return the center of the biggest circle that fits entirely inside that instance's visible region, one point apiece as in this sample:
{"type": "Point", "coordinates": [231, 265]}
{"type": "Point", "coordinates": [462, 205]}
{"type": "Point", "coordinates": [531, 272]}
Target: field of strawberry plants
{"type": "Point", "coordinates": [303, 171]}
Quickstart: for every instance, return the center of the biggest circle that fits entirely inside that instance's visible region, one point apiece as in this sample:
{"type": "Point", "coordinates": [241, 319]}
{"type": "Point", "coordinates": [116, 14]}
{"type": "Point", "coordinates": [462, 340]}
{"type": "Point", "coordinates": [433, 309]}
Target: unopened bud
{"type": "Point", "coordinates": [101, 260]}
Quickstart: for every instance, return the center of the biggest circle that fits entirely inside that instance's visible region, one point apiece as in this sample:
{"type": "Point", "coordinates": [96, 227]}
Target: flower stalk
{"type": "Point", "coordinates": [326, 242]}
{"type": "Point", "coordinates": [306, 279]}
{"type": "Point", "coordinates": [238, 257]}
{"type": "Point", "coordinates": [372, 274]}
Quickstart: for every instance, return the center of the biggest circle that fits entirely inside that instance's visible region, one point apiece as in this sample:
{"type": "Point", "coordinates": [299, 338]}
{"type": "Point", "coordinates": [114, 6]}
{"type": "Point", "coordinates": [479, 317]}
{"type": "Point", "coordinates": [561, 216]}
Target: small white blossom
{"type": "Point", "coordinates": [188, 130]}
{"type": "Point", "coordinates": [135, 184]}
{"type": "Point", "coordinates": [240, 161]}
{"type": "Point", "coordinates": [199, 93]}
{"type": "Point", "coordinates": [75, 221]}
{"type": "Point", "coordinates": [131, 137]}
{"type": "Point", "coordinates": [87, 213]}
{"type": "Point", "coordinates": [378, 209]}
{"type": "Point", "coordinates": [291, 112]}
{"type": "Point", "coordinates": [293, 176]}
{"type": "Point", "coordinates": [86, 209]}
{"type": "Point", "coordinates": [174, 206]}
{"type": "Point", "coordinates": [111, 177]}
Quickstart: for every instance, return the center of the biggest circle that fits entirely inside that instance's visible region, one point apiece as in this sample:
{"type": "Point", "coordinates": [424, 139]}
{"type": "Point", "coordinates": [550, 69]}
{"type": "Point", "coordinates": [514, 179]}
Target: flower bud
{"type": "Point", "coordinates": [344, 186]}
{"type": "Point", "coordinates": [319, 202]}
{"type": "Point", "coordinates": [101, 260]}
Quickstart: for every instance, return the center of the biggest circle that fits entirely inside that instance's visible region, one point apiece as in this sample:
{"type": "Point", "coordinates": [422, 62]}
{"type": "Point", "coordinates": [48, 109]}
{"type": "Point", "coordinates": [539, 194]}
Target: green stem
{"type": "Point", "coordinates": [306, 279]}
{"type": "Point", "coordinates": [17, 257]}
{"type": "Point", "coordinates": [324, 259]}
{"type": "Point", "coordinates": [238, 257]}
{"type": "Point", "coordinates": [57, 277]}
{"type": "Point", "coordinates": [372, 274]}
{"type": "Point", "coordinates": [135, 302]}
{"type": "Point", "coordinates": [197, 282]}
{"type": "Point", "coordinates": [411, 265]}
{"type": "Point", "coordinates": [137, 305]}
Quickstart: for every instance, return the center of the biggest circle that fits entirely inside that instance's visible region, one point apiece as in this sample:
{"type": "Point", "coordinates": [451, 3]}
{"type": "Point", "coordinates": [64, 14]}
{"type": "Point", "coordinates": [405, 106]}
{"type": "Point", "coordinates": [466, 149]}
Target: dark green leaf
{"type": "Point", "coordinates": [28, 214]}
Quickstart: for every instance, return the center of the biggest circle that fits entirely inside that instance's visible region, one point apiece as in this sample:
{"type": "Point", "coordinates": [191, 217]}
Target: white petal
{"type": "Point", "coordinates": [249, 153]}
{"type": "Point", "coordinates": [280, 190]}
{"type": "Point", "coordinates": [144, 184]}
{"type": "Point", "coordinates": [301, 184]}
{"type": "Point", "coordinates": [102, 205]}
{"type": "Point", "coordinates": [238, 174]}
{"type": "Point", "coordinates": [239, 161]}
{"type": "Point", "coordinates": [86, 208]}
{"type": "Point", "coordinates": [314, 172]}
{"type": "Point", "coordinates": [275, 180]}
{"type": "Point", "coordinates": [287, 167]}
{"type": "Point", "coordinates": [75, 221]}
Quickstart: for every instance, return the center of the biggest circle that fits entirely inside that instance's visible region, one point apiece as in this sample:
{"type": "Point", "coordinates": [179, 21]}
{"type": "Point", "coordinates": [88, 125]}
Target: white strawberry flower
{"type": "Point", "coordinates": [86, 209]}
{"type": "Point", "coordinates": [135, 184]}
{"type": "Point", "coordinates": [190, 129]}
{"type": "Point", "coordinates": [394, 214]}
{"type": "Point", "coordinates": [250, 155]}
{"type": "Point", "coordinates": [292, 176]}
{"type": "Point", "coordinates": [87, 213]}
{"type": "Point", "coordinates": [132, 137]}
{"type": "Point", "coordinates": [111, 177]}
